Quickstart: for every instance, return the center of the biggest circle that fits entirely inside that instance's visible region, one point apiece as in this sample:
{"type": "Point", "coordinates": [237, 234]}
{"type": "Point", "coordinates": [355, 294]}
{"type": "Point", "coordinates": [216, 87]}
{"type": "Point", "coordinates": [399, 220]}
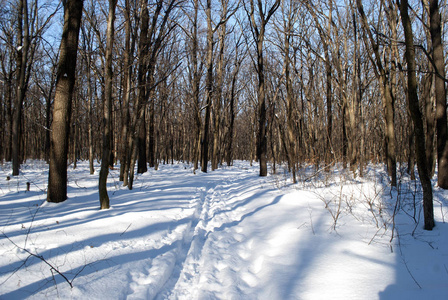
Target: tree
{"type": "Point", "coordinates": [239, 57]}
{"type": "Point", "coordinates": [258, 30]}
{"type": "Point", "coordinates": [210, 86]}
{"type": "Point", "coordinates": [65, 83]}
{"type": "Point", "coordinates": [440, 91]}
{"type": "Point", "coordinates": [152, 38]}
{"type": "Point", "coordinates": [416, 114]}
{"type": "Point", "coordinates": [127, 92]}
{"type": "Point", "coordinates": [383, 77]}
{"type": "Point", "coordinates": [107, 121]}
{"type": "Point", "coordinates": [23, 48]}
{"type": "Point", "coordinates": [209, 89]}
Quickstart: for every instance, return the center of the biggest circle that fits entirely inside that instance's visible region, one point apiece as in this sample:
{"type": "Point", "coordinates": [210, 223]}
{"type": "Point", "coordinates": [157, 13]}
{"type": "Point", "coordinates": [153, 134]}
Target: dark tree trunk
{"type": "Point", "coordinates": [209, 90]}
{"type": "Point", "coordinates": [258, 27]}
{"type": "Point", "coordinates": [291, 147]}
{"type": "Point", "coordinates": [428, 112]}
{"type": "Point", "coordinates": [57, 180]}
{"type": "Point", "coordinates": [417, 119]}
{"type": "Point", "coordinates": [138, 118]}
{"type": "Point", "coordinates": [229, 152]}
{"type": "Point", "coordinates": [22, 59]}
{"type": "Point", "coordinates": [125, 119]}
{"type": "Point", "coordinates": [440, 88]}
{"type": "Point", "coordinates": [152, 134]}
{"type": "Point", "coordinates": [142, 166]}
{"type": "Point", "coordinates": [8, 156]}
{"type": "Point", "coordinates": [196, 86]}
{"type": "Point", "coordinates": [388, 97]}
{"type": "Point", "coordinates": [107, 113]}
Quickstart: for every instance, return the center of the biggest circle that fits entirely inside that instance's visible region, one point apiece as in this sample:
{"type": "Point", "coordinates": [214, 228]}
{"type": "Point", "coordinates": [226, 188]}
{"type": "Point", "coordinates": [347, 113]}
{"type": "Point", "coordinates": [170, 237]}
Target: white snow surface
{"type": "Point", "coordinates": [225, 234]}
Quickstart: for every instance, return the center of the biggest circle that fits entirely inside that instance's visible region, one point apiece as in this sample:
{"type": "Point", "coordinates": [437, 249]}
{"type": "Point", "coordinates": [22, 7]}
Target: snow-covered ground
{"type": "Point", "coordinates": [227, 234]}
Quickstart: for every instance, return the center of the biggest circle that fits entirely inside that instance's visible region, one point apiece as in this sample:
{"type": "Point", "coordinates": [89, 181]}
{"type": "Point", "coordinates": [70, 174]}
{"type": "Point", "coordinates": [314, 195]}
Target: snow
{"type": "Point", "coordinates": [226, 234]}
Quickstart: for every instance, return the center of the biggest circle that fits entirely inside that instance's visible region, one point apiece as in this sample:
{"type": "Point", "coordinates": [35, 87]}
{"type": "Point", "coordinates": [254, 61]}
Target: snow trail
{"type": "Point", "coordinates": [226, 234]}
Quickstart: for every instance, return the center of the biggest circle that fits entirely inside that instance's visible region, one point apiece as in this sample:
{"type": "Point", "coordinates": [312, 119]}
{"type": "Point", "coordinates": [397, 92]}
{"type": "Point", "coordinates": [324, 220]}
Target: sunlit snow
{"type": "Point", "coordinates": [226, 234]}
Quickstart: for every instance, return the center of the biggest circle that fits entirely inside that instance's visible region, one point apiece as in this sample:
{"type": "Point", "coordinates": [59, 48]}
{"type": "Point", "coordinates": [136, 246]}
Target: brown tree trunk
{"type": "Point", "coordinates": [440, 88]}
{"type": "Point", "coordinates": [57, 180]}
{"type": "Point", "coordinates": [289, 104]}
{"type": "Point", "coordinates": [413, 103]}
{"type": "Point", "coordinates": [22, 58]}
{"type": "Point", "coordinates": [9, 115]}
{"type": "Point", "coordinates": [219, 88]}
{"type": "Point", "coordinates": [195, 86]}
{"type": "Point", "coordinates": [107, 110]}
{"type": "Point", "coordinates": [429, 117]}
{"type": "Point", "coordinates": [142, 165]}
{"type": "Point", "coordinates": [209, 90]}
{"type": "Point", "coordinates": [152, 134]}
{"type": "Point", "coordinates": [386, 91]}
{"type": "Point", "coordinates": [138, 118]}
{"type": "Point", "coordinates": [128, 52]}
{"type": "Point", "coordinates": [87, 41]}
{"type": "Point", "coordinates": [229, 151]}
{"type": "Point", "coordinates": [258, 27]}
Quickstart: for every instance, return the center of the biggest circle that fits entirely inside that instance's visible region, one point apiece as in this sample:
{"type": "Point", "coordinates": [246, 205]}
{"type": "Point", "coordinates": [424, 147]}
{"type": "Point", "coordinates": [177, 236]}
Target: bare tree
{"type": "Point", "coordinates": [389, 98]}
{"type": "Point", "coordinates": [107, 122]}
{"type": "Point", "coordinates": [57, 180]}
{"type": "Point", "coordinates": [258, 30]}
{"type": "Point", "coordinates": [23, 48]}
{"type": "Point", "coordinates": [440, 89]}
{"type": "Point", "coordinates": [417, 117]}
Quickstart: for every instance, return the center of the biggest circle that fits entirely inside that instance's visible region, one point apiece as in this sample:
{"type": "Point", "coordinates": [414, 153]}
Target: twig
{"type": "Point", "coordinates": [310, 211]}
{"type": "Point", "coordinates": [31, 254]}
{"type": "Point", "coordinates": [319, 171]}
{"type": "Point", "coordinates": [404, 261]}
{"type": "Point", "coordinates": [126, 229]}
{"type": "Point", "coordinates": [409, 271]}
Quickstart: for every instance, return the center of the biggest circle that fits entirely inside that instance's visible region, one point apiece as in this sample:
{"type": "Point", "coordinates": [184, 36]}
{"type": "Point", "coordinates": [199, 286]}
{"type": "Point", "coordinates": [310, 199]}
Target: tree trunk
{"type": "Point", "coordinates": [107, 113]}
{"type": "Point", "coordinates": [229, 152]}
{"type": "Point", "coordinates": [413, 103]}
{"type": "Point", "coordinates": [440, 88]}
{"type": "Point", "coordinates": [126, 117]}
{"type": "Point", "coordinates": [142, 166]}
{"type": "Point", "coordinates": [57, 180]}
{"type": "Point", "coordinates": [209, 90]}
{"type": "Point", "coordinates": [196, 78]}
{"type": "Point", "coordinates": [47, 125]}
{"type": "Point", "coordinates": [152, 132]}
{"type": "Point", "coordinates": [258, 32]}
{"type": "Point", "coordinates": [386, 91]}
{"type": "Point", "coordinates": [9, 114]}
{"type": "Point", "coordinates": [22, 59]}
{"type": "Point", "coordinates": [289, 106]}
{"type": "Point", "coordinates": [428, 113]}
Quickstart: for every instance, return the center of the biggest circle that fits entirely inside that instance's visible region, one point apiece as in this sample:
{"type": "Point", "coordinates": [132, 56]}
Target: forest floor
{"type": "Point", "coordinates": [226, 234]}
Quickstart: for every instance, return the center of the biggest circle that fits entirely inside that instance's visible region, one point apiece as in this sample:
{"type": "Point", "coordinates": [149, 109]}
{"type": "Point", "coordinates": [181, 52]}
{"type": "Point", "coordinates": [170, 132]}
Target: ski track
{"type": "Point", "coordinates": [200, 243]}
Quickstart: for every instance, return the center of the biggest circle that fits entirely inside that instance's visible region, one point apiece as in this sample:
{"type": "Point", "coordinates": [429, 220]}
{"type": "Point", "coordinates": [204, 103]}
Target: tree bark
{"type": "Point", "coordinates": [219, 87]}
{"type": "Point", "coordinates": [386, 91]}
{"type": "Point", "coordinates": [258, 33]}
{"type": "Point", "coordinates": [196, 87]}
{"type": "Point", "coordinates": [57, 180]}
{"type": "Point", "coordinates": [291, 151]}
{"type": "Point", "coordinates": [22, 58]}
{"type": "Point", "coordinates": [440, 88]}
{"type": "Point", "coordinates": [209, 90]}
{"type": "Point", "coordinates": [107, 110]}
{"type": "Point", "coordinates": [233, 100]}
{"type": "Point", "coordinates": [142, 165]}
{"type": "Point", "coordinates": [417, 119]}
